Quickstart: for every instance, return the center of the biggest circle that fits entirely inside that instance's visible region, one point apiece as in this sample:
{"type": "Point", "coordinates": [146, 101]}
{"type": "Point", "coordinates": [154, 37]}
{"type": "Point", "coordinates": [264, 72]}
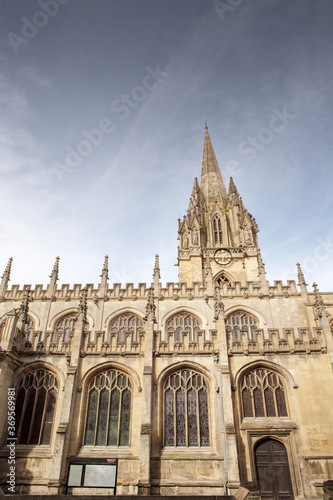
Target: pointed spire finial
{"type": "Point", "coordinates": [206, 123]}
{"type": "Point", "coordinates": [55, 271]}
{"type": "Point", "coordinates": [300, 275]}
{"type": "Point", "coordinates": [105, 270]}
{"type": "Point", "coordinates": [157, 272]}
{"type": "Point", "coordinates": [211, 183]}
{"type": "Point", "coordinates": [5, 277]}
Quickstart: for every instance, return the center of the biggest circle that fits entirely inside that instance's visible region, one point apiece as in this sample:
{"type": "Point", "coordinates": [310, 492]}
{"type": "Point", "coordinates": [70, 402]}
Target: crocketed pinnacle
{"type": "Point", "coordinates": [6, 275]}
{"type": "Point", "coordinates": [232, 187]}
{"type": "Point", "coordinates": [105, 270]}
{"type": "Point", "coordinates": [157, 272]}
{"type": "Point", "coordinates": [55, 271]}
{"type": "Point", "coordinates": [300, 275]}
{"type": "Point", "coordinates": [211, 184]}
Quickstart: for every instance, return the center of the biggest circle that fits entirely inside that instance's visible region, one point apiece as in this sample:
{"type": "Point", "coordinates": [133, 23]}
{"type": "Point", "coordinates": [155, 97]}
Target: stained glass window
{"type": "Point", "coordinates": [263, 394]}
{"type": "Point", "coordinates": [241, 321]}
{"type": "Point", "coordinates": [181, 323]}
{"type": "Point", "coordinates": [35, 405]}
{"type": "Point", "coordinates": [186, 421]}
{"type": "Point", "coordinates": [127, 323]}
{"type": "Point", "coordinates": [109, 410]}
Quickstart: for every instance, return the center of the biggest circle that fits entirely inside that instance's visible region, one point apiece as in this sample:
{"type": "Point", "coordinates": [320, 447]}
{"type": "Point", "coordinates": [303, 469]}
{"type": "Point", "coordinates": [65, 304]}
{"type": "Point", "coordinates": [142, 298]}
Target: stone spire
{"type": "Point", "coordinates": [5, 278]}
{"type": "Point", "coordinates": [51, 289]}
{"type": "Point", "coordinates": [212, 184]}
{"type": "Point", "coordinates": [302, 284]}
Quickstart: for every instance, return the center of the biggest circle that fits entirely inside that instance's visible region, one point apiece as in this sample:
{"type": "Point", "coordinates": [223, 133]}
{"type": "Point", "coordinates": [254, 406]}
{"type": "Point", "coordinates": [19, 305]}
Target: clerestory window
{"type": "Point", "coordinates": [127, 323]}
{"type": "Point", "coordinates": [186, 421]}
{"type": "Point", "coordinates": [35, 405]}
{"type": "Point", "coordinates": [109, 409]}
{"type": "Point", "coordinates": [184, 322]}
{"type": "Point", "coordinates": [263, 394]}
{"type": "Point", "coordinates": [65, 328]}
{"type": "Point", "coordinates": [239, 322]}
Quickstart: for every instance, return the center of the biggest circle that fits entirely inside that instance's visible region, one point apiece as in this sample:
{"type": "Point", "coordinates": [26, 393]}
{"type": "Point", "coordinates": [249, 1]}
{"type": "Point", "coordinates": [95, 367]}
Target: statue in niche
{"type": "Point", "coordinates": [185, 241]}
{"type": "Point", "coordinates": [195, 238]}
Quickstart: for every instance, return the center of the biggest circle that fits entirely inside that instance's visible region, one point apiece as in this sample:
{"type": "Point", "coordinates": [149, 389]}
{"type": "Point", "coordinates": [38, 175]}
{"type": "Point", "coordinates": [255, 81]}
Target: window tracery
{"type": "Point", "coordinates": [241, 321]}
{"type": "Point", "coordinates": [221, 279]}
{"type": "Point", "coordinates": [65, 328]}
{"type": "Point", "coordinates": [217, 230]}
{"type": "Point", "coordinates": [263, 394]}
{"type": "Point", "coordinates": [184, 322]}
{"type": "Point", "coordinates": [127, 323]}
{"type": "Point", "coordinates": [186, 421]}
{"type": "Point", "coordinates": [35, 405]}
{"type": "Point", "coordinates": [109, 409]}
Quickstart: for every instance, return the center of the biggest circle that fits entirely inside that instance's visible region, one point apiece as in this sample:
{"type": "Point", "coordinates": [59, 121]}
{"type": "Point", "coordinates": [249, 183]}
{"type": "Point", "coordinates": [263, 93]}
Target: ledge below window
{"type": "Point", "coordinates": [269, 423]}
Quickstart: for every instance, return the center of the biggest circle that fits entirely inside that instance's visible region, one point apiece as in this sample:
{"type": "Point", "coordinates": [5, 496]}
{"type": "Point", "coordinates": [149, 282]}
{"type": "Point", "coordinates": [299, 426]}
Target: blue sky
{"type": "Point", "coordinates": [102, 125]}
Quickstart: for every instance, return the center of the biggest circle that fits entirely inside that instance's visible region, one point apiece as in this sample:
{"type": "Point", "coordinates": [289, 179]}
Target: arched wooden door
{"type": "Point", "coordinates": [273, 470]}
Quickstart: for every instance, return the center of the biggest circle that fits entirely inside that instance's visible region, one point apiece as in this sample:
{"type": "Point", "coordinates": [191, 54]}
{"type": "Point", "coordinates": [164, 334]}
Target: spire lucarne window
{"type": "Point", "coordinates": [217, 228]}
{"type": "Point", "coordinates": [109, 409]}
{"type": "Point", "coordinates": [186, 421]}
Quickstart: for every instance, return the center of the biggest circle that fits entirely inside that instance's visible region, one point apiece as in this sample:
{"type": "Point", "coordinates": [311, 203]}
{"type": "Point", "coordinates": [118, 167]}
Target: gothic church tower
{"type": "Point", "coordinates": [217, 232]}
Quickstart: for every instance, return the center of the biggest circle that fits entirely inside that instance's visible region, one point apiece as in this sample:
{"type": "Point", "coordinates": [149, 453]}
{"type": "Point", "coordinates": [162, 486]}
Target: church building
{"type": "Point", "coordinates": [217, 385]}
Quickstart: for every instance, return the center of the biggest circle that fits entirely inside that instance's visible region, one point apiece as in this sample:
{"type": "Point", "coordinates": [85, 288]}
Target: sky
{"type": "Point", "coordinates": [102, 109]}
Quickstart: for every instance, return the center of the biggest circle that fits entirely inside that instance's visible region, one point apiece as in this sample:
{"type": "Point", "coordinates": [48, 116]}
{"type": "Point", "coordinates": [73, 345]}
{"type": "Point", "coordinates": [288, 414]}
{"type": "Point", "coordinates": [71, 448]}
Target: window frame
{"type": "Point", "coordinates": [165, 386]}
{"type": "Point", "coordinates": [22, 417]}
{"type": "Point", "coordinates": [89, 388]}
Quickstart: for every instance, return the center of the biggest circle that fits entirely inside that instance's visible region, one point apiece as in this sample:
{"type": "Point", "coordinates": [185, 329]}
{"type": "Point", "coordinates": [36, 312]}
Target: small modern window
{"type": "Point", "coordinates": [263, 394]}
{"type": "Point", "coordinates": [109, 409]}
{"type": "Point", "coordinates": [186, 421]}
{"type": "Point", "coordinates": [217, 229]}
{"type": "Point", "coordinates": [184, 323]}
{"type": "Point", "coordinates": [35, 405]}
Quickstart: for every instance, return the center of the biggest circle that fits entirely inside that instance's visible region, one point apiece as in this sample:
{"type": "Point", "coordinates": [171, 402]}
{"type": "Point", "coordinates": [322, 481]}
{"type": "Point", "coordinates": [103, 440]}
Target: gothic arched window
{"type": "Point", "coordinates": [186, 421]}
{"type": "Point", "coordinates": [184, 322]}
{"type": "Point", "coordinates": [263, 394]}
{"type": "Point", "coordinates": [221, 279]}
{"type": "Point", "coordinates": [35, 405]}
{"type": "Point", "coordinates": [109, 409]}
{"type": "Point", "coordinates": [241, 321]}
{"type": "Point", "coordinates": [65, 327]}
{"type": "Point", "coordinates": [127, 323]}
{"type": "Point", "coordinates": [217, 229]}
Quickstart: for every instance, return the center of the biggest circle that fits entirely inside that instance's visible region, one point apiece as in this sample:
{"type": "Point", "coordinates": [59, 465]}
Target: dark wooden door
{"type": "Point", "coordinates": [273, 470]}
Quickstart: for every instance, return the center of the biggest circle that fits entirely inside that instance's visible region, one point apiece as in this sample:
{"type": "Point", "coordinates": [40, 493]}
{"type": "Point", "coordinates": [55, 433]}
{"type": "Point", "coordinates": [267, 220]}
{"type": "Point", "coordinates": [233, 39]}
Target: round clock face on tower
{"type": "Point", "coordinates": [222, 257]}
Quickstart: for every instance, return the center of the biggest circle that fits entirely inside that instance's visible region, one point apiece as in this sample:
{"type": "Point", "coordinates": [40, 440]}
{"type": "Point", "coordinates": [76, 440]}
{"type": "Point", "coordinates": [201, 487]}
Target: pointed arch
{"type": "Point", "coordinates": [217, 230]}
{"type": "Point", "coordinates": [241, 321]}
{"type": "Point", "coordinates": [183, 322]}
{"type": "Point", "coordinates": [126, 323]}
{"type": "Point", "coordinates": [37, 389]}
{"type": "Point", "coordinates": [223, 277]}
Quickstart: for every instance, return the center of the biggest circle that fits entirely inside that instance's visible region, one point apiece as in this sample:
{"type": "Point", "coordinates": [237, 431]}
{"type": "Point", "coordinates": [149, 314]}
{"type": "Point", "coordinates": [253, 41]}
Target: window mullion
{"type": "Point", "coordinates": [198, 416]}
{"type": "Point", "coordinates": [108, 419]}
{"type": "Point", "coordinates": [186, 417]}
{"type": "Point", "coordinates": [33, 415]}
{"type": "Point", "coordinates": [43, 416]}
{"type": "Point", "coordinates": [119, 415]}
{"type": "Point", "coordinates": [22, 413]}
{"type": "Point", "coordinates": [97, 413]}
